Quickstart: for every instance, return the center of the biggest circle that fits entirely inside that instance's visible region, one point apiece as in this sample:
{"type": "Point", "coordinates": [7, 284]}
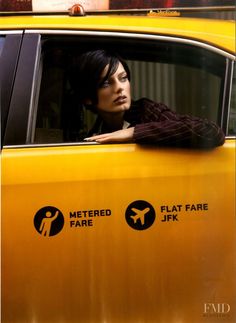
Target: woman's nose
{"type": "Point", "coordinates": [118, 86]}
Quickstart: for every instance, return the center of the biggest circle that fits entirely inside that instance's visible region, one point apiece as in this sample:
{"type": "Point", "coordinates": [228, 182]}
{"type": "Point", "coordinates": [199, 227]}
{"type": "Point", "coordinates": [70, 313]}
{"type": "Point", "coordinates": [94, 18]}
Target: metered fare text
{"type": "Point", "coordinates": [85, 218]}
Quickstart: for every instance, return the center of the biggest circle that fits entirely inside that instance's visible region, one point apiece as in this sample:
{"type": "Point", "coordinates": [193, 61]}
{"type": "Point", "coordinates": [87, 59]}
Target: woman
{"type": "Point", "coordinates": [103, 85]}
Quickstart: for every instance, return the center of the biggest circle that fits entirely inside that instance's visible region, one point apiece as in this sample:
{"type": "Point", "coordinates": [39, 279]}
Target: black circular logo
{"type": "Point", "coordinates": [48, 221]}
{"type": "Point", "coordinates": [140, 215]}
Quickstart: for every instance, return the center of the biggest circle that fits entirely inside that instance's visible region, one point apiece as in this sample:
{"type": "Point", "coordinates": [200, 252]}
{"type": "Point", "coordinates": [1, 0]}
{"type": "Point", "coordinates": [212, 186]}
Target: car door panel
{"type": "Point", "coordinates": [98, 267]}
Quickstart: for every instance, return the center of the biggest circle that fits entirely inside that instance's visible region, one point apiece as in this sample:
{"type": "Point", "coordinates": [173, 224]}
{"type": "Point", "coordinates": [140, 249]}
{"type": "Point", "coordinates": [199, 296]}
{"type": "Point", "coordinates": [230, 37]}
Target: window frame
{"type": "Point", "coordinates": [23, 108]}
{"type": "Point", "coordinates": [231, 73]}
{"type": "Point", "coordinates": [8, 63]}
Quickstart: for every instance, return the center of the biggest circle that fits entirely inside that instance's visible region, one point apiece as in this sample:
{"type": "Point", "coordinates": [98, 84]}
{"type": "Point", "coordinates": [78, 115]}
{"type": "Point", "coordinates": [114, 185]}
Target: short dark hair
{"type": "Point", "coordinates": [88, 70]}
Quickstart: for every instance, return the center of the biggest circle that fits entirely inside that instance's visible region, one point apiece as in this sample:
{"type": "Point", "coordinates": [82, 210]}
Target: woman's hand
{"type": "Point", "coordinates": [124, 135]}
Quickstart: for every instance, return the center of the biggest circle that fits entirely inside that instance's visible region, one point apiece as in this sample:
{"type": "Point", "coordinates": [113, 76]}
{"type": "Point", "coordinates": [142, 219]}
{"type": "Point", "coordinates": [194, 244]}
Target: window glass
{"type": "Point", "coordinates": [232, 115]}
{"type": "Point", "coordinates": [2, 39]}
{"type": "Point", "coordinates": [187, 79]}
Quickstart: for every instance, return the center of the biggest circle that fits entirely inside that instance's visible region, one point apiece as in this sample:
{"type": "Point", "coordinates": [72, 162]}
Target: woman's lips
{"type": "Point", "coordinates": [120, 99]}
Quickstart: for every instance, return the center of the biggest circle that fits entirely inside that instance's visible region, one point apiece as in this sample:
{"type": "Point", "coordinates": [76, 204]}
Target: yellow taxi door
{"type": "Point", "coordinates": [118, 233]}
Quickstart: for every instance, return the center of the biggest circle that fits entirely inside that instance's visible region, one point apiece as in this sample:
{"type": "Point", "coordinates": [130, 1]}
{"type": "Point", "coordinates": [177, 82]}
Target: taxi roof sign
{"type": "Point", "coordinates": [77, 10]}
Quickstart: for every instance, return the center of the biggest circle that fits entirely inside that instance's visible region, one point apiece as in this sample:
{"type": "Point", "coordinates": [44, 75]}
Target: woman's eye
{"type": "Point", "coordinates": [124, 78]}
{"type": "Point", "coordinates": [105, 84]}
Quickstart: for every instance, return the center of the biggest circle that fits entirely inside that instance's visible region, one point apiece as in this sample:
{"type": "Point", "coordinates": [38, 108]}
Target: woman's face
{"type": "Point", "coordinates": [114, 94]}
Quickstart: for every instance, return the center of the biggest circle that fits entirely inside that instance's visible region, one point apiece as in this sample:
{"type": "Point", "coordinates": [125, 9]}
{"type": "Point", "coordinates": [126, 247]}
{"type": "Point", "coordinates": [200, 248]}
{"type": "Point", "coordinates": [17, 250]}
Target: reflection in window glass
{"type": "Point", "coordinates": [232, 115]}
{"type": "Point", "coordinates": [2, 39]}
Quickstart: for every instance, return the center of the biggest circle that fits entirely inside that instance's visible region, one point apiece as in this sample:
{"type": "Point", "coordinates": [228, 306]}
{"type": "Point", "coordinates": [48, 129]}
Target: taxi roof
{"type": "Point", "coordinates": [220, 33]}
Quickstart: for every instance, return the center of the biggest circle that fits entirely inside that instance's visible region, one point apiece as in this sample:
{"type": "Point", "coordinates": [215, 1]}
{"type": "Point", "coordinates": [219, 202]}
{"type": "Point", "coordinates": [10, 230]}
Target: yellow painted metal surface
{"type": "Point", "coordinates": [98, 268]}
{"type": "Point", "coordinates": [216, 32]}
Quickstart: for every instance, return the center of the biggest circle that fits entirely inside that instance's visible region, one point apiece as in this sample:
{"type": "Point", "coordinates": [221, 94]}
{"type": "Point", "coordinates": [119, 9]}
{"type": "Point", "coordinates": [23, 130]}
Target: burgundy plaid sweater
{"type": "Point", "coordinates": [155, 123]}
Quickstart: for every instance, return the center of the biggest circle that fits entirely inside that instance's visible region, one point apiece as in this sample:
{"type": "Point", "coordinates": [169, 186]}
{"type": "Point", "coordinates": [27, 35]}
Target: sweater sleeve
{"type": "Point", "coordinates": [161, 126]}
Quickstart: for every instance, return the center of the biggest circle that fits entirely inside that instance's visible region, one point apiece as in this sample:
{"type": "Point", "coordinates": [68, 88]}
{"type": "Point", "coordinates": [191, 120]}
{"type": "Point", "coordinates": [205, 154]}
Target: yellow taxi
{"type": "Point", "coordinates": [116, 232]}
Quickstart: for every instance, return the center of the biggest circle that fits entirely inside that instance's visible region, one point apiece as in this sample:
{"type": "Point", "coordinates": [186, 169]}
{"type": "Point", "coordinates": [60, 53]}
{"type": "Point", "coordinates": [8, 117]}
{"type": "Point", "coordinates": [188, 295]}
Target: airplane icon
{"type": "Point", "coordinates": [140, 215]}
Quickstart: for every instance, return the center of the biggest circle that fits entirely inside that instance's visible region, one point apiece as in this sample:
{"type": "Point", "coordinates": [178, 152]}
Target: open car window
{"type": "Point", "coordinates": [188, 79]}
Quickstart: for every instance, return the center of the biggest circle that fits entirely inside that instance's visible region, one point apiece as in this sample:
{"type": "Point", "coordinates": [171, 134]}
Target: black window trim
{"type": "Point", "coordinates": [9, 60]}
{"type": "Point", "coordinates": [228, 88]}
{"type": "Point", "coordinates": [23, 92]}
